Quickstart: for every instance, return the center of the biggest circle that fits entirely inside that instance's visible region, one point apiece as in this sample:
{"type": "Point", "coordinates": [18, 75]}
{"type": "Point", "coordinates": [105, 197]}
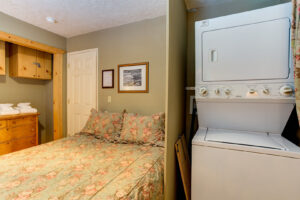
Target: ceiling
{"type": "Point", "coordinates": [76, 17]}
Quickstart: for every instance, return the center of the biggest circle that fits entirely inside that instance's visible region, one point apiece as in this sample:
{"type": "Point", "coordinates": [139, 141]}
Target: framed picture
{"type": "Point", "coordinates": [108, 78]}
{"type": "Point", "coordinates": [133, 78]}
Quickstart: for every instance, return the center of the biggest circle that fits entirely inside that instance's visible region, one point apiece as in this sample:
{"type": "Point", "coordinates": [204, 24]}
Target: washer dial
{"type": "Point", "coordinates": [227, 91]}
{"type": "Point", "coordinates": [265, 91]}
{"type": "Point", "coordinates": [286, 90]}
{"type": "Point", "coordinates": [251, 91]}
{"type": "Point", "coordinates": [203, 91]}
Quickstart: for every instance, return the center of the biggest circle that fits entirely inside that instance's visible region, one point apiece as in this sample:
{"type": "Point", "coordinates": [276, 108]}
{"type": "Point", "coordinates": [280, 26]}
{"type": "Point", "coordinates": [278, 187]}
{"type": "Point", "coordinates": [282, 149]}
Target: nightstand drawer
{"type": "Point", "coordinates": [28, 130]}
{"type": "Point", "coordinates": [4, 135]}
{"type": "Point", "coordinates": [2, 124]}
{"type": "Point", "coordinates": [21, 121]}
{"type": "Point", "coordinates": [5, 148]}
{"type": "Point", "coordinates": [18, 132]}
{"type": "Point", "coordinates": [23, 143]}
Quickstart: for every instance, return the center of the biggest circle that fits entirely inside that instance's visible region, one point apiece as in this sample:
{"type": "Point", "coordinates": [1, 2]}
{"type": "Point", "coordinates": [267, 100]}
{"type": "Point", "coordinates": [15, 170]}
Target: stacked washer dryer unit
{"type": "Point", "coordinates": [245, 95]}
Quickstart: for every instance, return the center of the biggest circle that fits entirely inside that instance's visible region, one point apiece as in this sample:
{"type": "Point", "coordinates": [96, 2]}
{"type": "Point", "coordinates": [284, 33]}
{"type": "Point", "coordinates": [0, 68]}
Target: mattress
{"type": "Point", "coordinates": [83, 167]}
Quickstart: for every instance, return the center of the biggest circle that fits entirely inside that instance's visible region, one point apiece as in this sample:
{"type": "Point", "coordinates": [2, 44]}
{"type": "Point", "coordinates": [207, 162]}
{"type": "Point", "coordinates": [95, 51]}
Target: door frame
{"type": "Point", "coordinates": [97, 76]}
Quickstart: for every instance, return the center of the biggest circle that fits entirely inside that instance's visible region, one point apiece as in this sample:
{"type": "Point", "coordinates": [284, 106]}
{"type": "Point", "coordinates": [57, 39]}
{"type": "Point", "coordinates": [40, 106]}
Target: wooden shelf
{"type": "Point", "coordinates": [29, 63]}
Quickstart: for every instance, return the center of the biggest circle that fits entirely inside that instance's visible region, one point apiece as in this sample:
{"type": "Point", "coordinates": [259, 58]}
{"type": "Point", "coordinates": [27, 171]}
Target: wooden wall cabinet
{"type": "Point", "coordinates": [29, 63]}
{"type": "Point", "coordinates": [2, 58]}
{"type": "Point", "coordinates": [18, 132]}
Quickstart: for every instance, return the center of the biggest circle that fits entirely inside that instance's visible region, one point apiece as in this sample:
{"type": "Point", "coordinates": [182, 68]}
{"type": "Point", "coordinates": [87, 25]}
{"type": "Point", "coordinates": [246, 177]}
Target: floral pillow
{"type": "Point", "coordinates": [143, 129]}
{"type": "Point", "coordinates": [104, 125]}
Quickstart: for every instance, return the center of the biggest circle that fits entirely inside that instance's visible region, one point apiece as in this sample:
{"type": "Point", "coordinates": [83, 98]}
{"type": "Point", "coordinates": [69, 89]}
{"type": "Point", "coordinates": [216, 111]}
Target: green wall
{"type": "Point", "coordinates": [176, 64]}
{"type": "Point", "coordinates": [131, 43]}
{"type": "Point", "coordinates": [39, 93]}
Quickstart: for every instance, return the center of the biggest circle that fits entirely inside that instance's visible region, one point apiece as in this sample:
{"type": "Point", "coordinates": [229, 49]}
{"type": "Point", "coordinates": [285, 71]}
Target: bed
{"type": "Point", "coordinates": [83, 167]}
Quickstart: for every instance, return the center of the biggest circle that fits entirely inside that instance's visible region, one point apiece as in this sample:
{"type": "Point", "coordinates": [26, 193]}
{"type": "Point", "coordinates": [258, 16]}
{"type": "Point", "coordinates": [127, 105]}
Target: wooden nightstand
{"type": "Point", "coordinates": [18, 132]}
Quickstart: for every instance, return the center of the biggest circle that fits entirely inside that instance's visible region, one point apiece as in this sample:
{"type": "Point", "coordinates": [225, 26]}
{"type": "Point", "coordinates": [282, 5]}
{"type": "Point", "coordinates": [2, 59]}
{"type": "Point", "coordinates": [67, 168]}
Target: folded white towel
{"type": "Point", "coordinates": [6, 105]}
{"type": "Point", "coordinates": [9, 112]}
{"type": "Point", "coordinates": [6, 109]}
{"type": "Point", "coordinates": [24, 107]}
{"type": "Point", "coordinates": [27, 110]}
{"type": "Point", "coordinates": [23, 104]}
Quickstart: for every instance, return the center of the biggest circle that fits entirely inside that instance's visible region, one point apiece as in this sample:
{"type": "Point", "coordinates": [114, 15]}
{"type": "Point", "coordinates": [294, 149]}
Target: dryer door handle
{"type": "Point", "coordinates": [213, 55]}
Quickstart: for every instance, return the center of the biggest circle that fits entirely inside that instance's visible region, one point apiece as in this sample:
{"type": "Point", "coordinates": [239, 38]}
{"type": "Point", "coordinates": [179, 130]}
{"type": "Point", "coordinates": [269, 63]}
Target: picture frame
{"type": "Point", "coordinates": [133, 78]}
{"type": "Point", "coordinates": [107, 78]}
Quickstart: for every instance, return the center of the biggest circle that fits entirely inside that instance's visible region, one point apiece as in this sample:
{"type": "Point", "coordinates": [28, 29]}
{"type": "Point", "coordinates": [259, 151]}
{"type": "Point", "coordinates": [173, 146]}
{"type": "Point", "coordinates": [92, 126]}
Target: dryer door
{"type": "Point", "coordinates": [257, 51]}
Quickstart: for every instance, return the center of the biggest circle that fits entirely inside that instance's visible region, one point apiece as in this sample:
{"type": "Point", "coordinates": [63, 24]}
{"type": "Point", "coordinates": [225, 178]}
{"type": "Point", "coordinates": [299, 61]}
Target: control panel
{"type": "Point", "coordinates": [246, 91]}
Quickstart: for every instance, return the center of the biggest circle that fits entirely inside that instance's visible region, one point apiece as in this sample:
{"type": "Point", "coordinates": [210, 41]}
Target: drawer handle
{"type": "Point", "coordinates": [25, 68]}
{"type": "Point", "coordinates": [1, 68]}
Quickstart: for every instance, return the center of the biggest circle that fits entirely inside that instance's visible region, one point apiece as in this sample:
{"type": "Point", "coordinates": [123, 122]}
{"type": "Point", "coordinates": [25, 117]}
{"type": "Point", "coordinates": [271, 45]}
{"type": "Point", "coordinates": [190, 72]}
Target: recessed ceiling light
{"type": "Point", "coordinates": [51, 20]}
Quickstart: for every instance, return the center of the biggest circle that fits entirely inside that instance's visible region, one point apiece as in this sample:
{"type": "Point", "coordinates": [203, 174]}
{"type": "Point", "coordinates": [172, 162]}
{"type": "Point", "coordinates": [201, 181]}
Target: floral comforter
{"type": "Point", "coordinates": [82, 167]}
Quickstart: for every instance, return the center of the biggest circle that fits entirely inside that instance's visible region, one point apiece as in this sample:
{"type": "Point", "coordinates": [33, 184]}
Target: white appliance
{"type": "Point", "coordinates": [245, 95]}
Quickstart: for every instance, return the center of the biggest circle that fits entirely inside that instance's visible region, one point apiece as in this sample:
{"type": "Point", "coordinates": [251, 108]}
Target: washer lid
{"type": "Point", "coordinates": [255, 139]}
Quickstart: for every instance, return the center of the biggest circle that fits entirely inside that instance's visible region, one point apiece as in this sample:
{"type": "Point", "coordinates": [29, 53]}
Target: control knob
{"type": "Point", "coordinates": [203, 91]}
{"type": "Point", "coordinates": [217, 91]}
{"type": "Point", "coordinates": [266, 91]}
{"type": "Point", "coordinates": [286, 90]}
{"type": "Point", "coordinates": [252, 91]}
{"type": "Point", "coordinates": [227, 91]}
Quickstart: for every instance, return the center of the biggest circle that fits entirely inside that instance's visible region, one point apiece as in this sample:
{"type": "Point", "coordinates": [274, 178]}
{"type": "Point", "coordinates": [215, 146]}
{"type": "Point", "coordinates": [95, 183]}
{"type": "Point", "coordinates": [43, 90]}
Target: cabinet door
{"type": "Point", "coordinates": [48, 65]}
{"type": "Point", "coordinates": [40, 65]}
{"type": "Point", "coordinates": [27, 62]}
{"type": "Point", "coordinates": [2, 58]}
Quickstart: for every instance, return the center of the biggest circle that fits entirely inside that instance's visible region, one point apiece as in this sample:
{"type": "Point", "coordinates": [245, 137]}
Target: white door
{"type": "Point", "coordinates": [82, 76]}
